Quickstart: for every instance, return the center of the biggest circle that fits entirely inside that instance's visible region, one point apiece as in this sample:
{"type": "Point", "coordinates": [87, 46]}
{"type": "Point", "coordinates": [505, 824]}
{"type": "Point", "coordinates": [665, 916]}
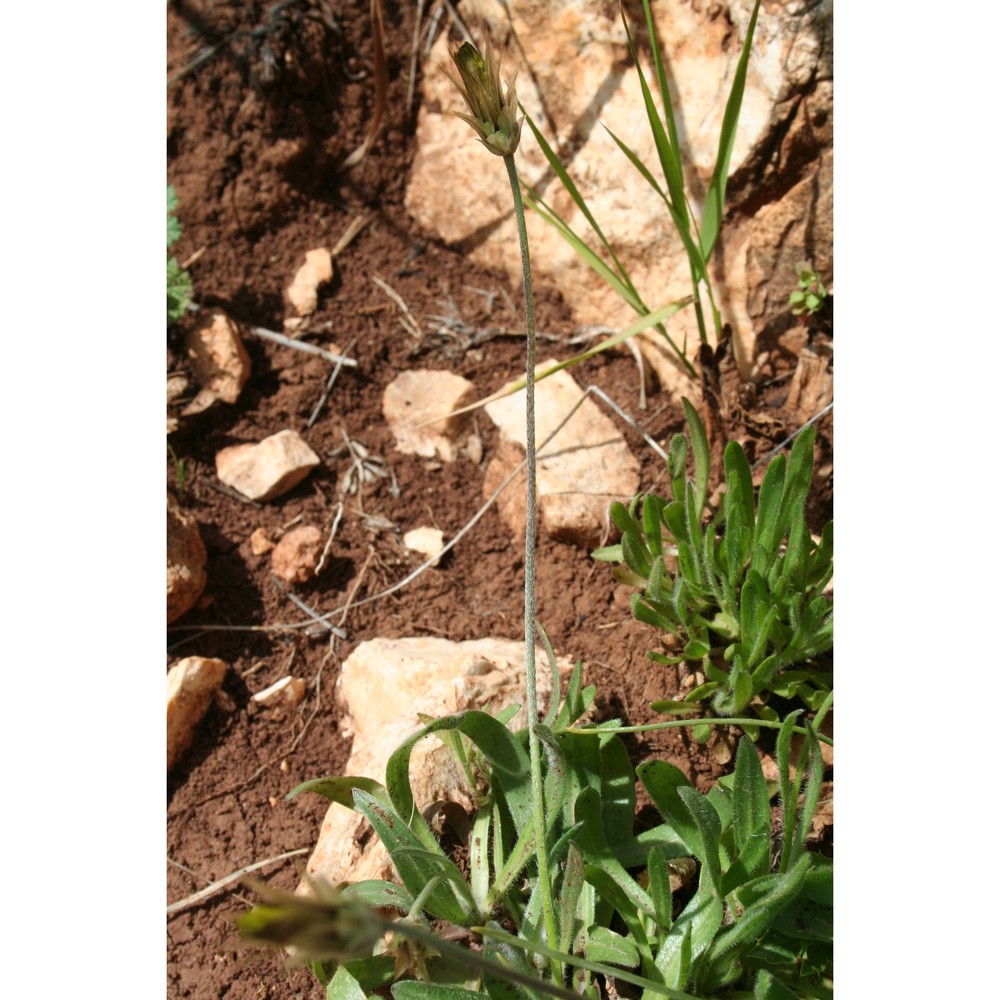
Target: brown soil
{"type": "Point", "coordinates": [255, 136]}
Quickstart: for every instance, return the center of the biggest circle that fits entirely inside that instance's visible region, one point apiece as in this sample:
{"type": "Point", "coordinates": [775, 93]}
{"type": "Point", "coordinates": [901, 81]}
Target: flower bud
{"type": "Point", "coordinates": [493, 108]}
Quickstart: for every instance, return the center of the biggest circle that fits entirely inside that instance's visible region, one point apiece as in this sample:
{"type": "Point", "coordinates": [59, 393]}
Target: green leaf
{"type": "Point", "coordinates": [659, 888]}
{"type": "Point", "coordinates": [179, 290]}
{"type": "Point", "coordinates": [609, 553]}
{"type": "Point", "coordinates": [760, 915]}
{"type": "Point", "coordinates": [416, 868]}
{"type": "Point", "coordinates": [715, 198]}
{"type": "Point", "coordinates": [617, 791]}
{"type": "Point", "coordinates": [669, 155]}
{"type": "Point", "coordinates": [662, 781]}
{"type": "Point", "coordinates": [606, 946]}
{"type": "Point", "coordinates": [341, 790]}
{"type": "Point", "coordinates": [702, 461]}
{"type": "Point", "coordinates": [677, 177]}
{"type": "Point", "coordinates": [767, 531]}
{"type": "Point", "coordinates": [494, 740]}
{"type": "Point", "coordinates": [667, 707]}
{"type": "Point", "coordinates": [567, 182]}
{"type": "Point", "coordinates": [379, 895]}
{"type": "Point", "coordinates": [570, 890]}
{"type": "Point", "coordinates": [767, 987]}
{"type": "Point", "coordinates": [751, 820]}
{"type": "Point", "coordinates": [594, 847]}
{"type": "Point", "coordinates": [344, 986]}
{"type": "Point", "coordinates": [413, 989]}
{"type": "Point", "coordinates": [174, 230]}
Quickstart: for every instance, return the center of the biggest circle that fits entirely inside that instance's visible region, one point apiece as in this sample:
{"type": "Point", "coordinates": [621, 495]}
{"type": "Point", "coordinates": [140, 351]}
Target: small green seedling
{"type": "Point", "coordinates": [743, 596]}
{"type": "Point", "coordinates": [179, 286]}
{"type": "Point", "coordinates": [808, 298]}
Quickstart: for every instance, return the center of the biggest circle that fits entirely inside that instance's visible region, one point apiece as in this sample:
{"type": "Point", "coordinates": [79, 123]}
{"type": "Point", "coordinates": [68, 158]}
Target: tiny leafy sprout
{"type": "Point", "coordinates": [808, 298]}
{"type": "Point", "coordinates": [179, 287]}
{"type": "Point", "coordinates": [493, 108]}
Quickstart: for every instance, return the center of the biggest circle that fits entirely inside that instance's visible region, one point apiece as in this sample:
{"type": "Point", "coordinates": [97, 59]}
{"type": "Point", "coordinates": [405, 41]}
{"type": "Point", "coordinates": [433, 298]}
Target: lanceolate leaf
{"type": "Point", "coordinates": [699, 445]}
{"type": "Point", "coordinates": [494, 741]}
{"type": "Point", "coordinates": [715, 198]}
{"type": "Point", "coordinates": [415, 868]}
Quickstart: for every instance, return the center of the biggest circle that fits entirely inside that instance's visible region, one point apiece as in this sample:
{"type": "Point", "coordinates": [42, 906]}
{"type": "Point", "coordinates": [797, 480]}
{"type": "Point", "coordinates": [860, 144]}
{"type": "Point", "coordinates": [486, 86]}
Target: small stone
{"type": "Point", "coordinates": [316, 271]}
{"type": "Point", "coordinates": [426, 541]}
{"type": "Point", "coordinates": [581, 471]}
{"type": "Point", "coordinates": [268, 469]}
{"type": "Point", "coordinates": [416, 396]}
{"type": "Point", "coordinates": [295, 556]}
{"type": "Point", "coordinates": [287, 692]}
{"type": "Point", "coordinates": [260, 542]}
{"type": "Point", "coordinates": [186, 558]}
{"type": "Point", "coordinates": [219, 359]}
{"type": "Point", "coordinates": [191, 686]}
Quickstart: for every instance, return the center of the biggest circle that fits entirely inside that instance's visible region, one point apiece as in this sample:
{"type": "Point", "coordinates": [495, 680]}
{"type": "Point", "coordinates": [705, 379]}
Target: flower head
{"type": "Point", "coordinates": [493, 108]}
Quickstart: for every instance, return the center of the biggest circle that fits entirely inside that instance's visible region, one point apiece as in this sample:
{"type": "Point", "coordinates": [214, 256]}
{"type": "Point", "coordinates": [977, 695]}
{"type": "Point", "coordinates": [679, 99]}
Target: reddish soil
{"type": "Point", "coordinates": [255, 137]}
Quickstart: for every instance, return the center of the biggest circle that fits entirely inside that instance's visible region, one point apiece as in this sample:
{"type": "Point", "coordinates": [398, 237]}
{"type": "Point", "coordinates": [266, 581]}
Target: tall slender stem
{"type": "Point", "coordinates": [534, 750]}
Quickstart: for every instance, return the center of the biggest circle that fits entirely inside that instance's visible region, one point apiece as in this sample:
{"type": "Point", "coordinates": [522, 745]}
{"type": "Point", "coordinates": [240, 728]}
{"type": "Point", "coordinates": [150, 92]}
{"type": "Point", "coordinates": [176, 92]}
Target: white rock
{"type": "Point", "coordinates": [219, 359]}
{"type": "Point", "coordinates": [584, 468]}
{"type": "Point", "coordinates": [416, 396]}
{"type": "Point", "coordinates": [265, 470]}
{"type": "Point", "coordinates": [385, 685]}
{"type": "Point", "coordinates": [426, 541]}
{"type": "Point", "coordinates": [260, 542]}
{"type": "Point", "coordinates": [191, 685]}
{"type": "Point", "coordinates": [574, 50]}
{"type": "Point", "coordinates": [295, 556]}
{"type": "Point", "coordinates": [316, 271]}
{"type": "Point", "coordinates": [288, 692]}
{"type": "Point", "coordinates": [186, 558]}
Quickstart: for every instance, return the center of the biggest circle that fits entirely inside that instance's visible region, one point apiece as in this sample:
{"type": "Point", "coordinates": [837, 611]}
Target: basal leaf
{"type": "Point", "coordinates": [415, 868]}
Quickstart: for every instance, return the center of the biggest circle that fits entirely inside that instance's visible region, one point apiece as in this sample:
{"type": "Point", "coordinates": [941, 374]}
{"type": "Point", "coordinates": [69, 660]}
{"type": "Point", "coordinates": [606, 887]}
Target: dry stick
{"type": "Point", "coordinates": [356, 225]}
{"type": "Point", "coordinates": [408, 321]}
{"type": "Point", "coordinates": [411, 83]}
{"type": "Point", "coordinates": [301, 345]}
{"type": "Point", "coordinates": [381, 86]}
{"type": "Point", "coordinates": [216, 887]}
{"type": "Point", "coordinates": [337, 365]}
{"type": "Point", "coordinates": [314, 614]}
{"type": "Point", "coordinates": [476, 518]}
{"type": "Point", "coordinates": [788, 440]}
{"type": "Point", "coordinates": [330, 537]}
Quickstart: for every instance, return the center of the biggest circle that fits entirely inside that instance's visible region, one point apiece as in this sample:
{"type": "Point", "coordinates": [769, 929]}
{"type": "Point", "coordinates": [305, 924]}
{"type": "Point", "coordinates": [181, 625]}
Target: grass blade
{"type": "Point", "coordinates": [715, 198]}
{"type": "Point", "coordinates": [574, 193]}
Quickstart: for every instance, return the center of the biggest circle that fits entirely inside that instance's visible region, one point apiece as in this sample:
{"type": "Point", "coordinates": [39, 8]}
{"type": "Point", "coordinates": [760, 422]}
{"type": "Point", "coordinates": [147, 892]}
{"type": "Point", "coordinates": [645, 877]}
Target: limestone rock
{"type": "Point", "coordinates": [295, 556]}
{"type": "Point", "coordinates": [191, 685]}
{"type": "Point", "coordinates": [287, 693]}
{"type": "Point", "coordinates": [265, 470]}
{"type": "Point", "coordinates": [384, 686]}
{"type": "Point", "coordinates": [316, 271]}
{"type": "Point", "coordinates": [426, 541]}
{"type": "Point", "coordinates": [186, 558]}
{"type": "Point", "coordinates": [260, 542]}
{"type": "Point", "coordinates": [416, 396]}
{"type": "Point", "coordinates": [580, 472]}
{"type": "Point", "coordinates": [779, 196]}
{"type": "Point", "coordinates": [811, 387]}
{"type": "Point", "coordinates": [219, 359]}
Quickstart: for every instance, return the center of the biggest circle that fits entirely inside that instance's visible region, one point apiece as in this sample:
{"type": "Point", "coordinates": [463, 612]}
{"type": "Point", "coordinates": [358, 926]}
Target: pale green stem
{"type": "Point", "coordinates": [534, 751]}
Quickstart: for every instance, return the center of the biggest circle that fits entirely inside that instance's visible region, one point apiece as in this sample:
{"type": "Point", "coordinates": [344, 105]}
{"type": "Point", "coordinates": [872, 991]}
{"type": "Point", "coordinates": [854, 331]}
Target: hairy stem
{"type": "Point", "coordinates": [534, 751]}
